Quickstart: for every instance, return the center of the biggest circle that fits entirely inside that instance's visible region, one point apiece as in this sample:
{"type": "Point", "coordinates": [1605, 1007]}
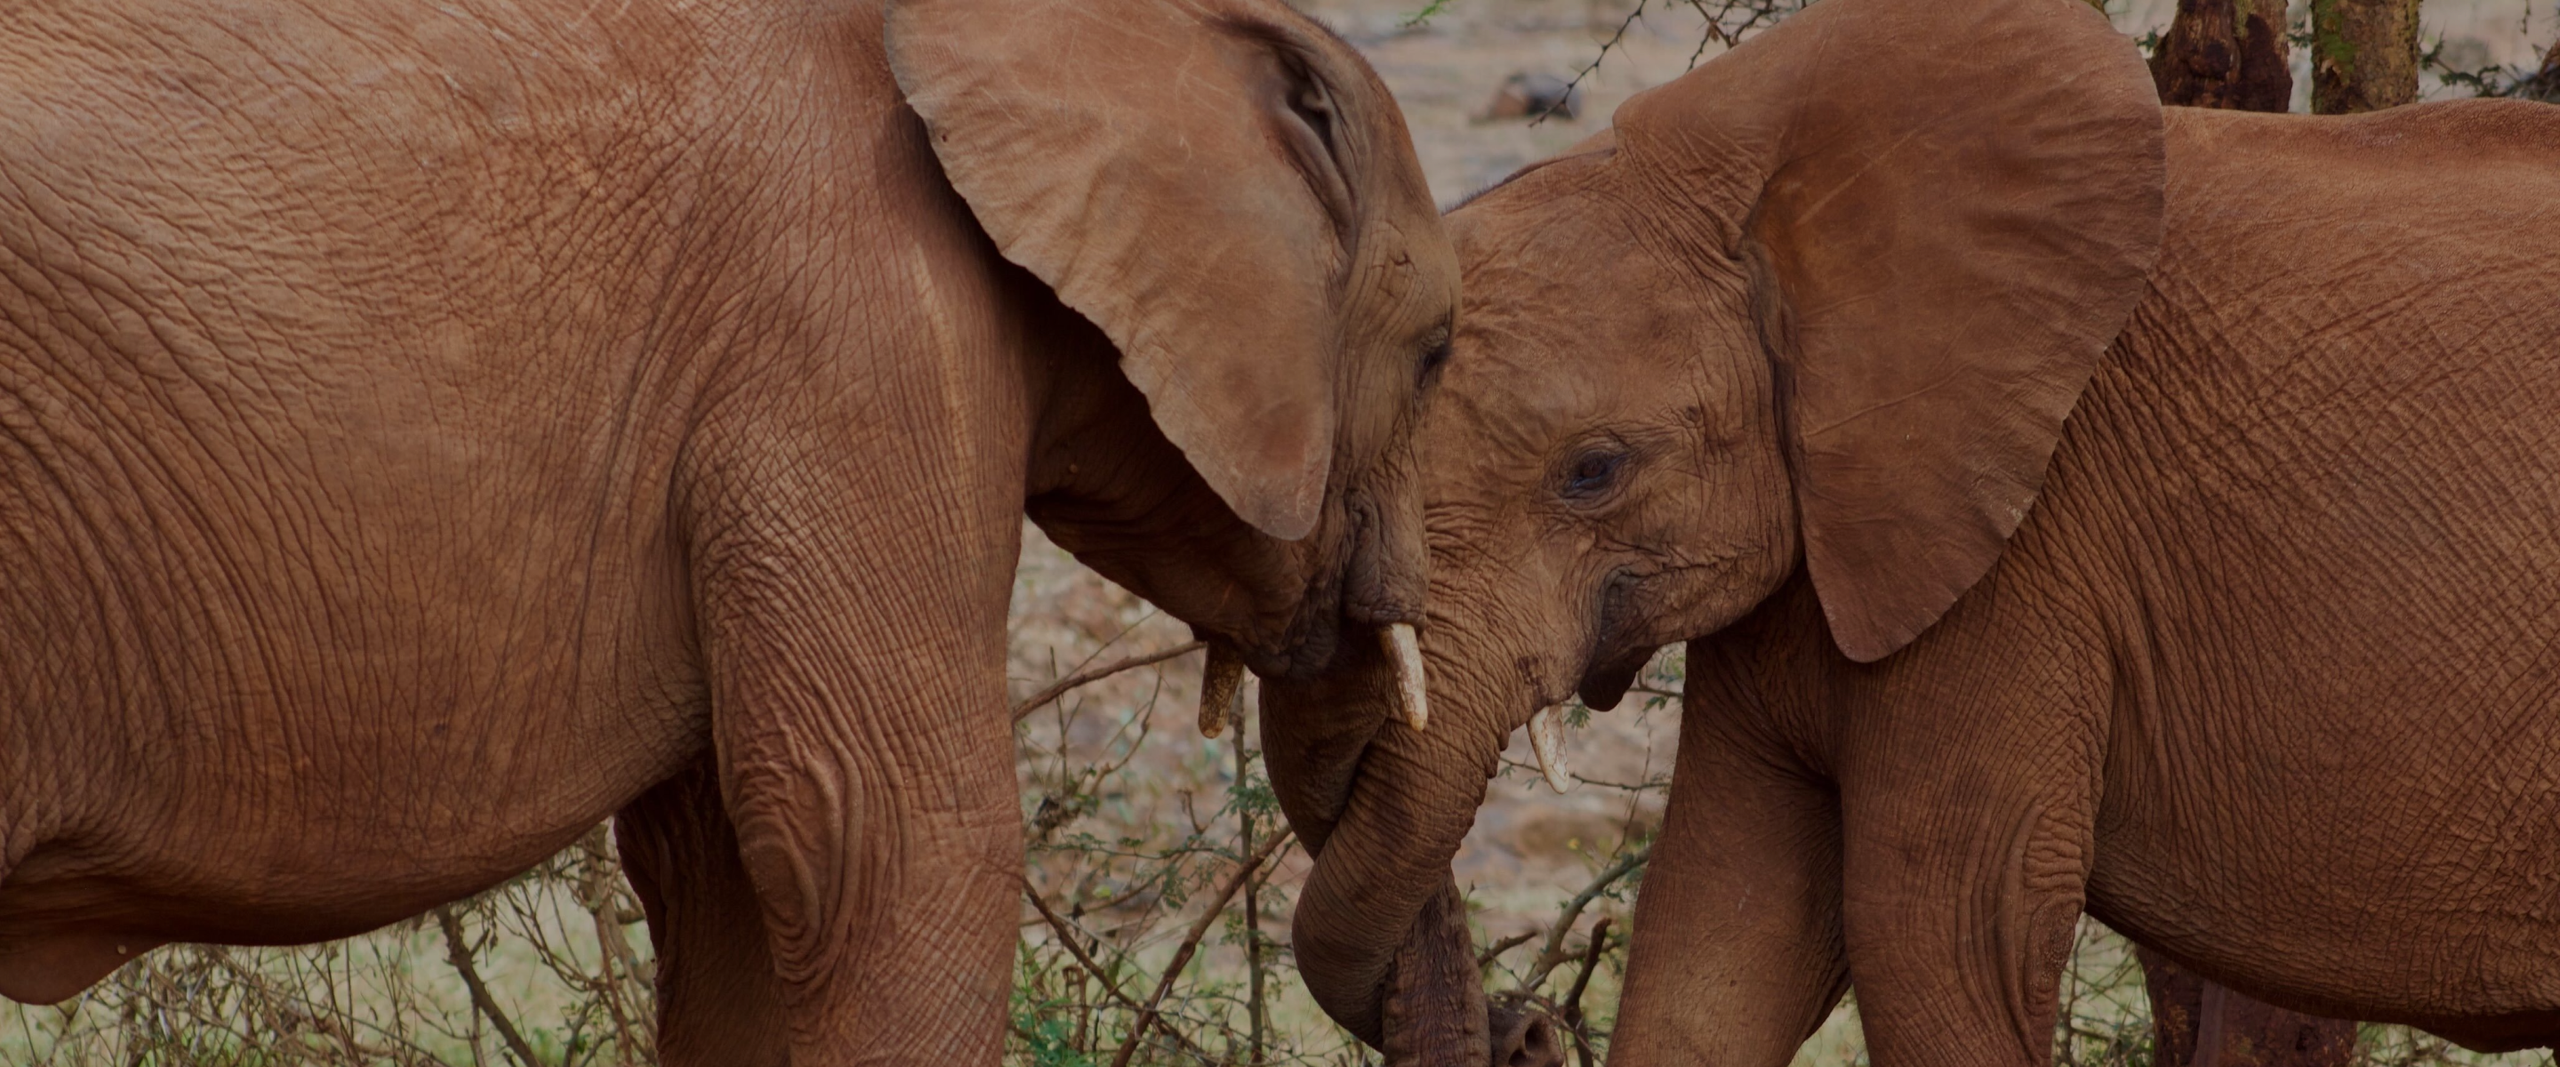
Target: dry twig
{"type": "Point", "coordinates": [1553, 954]}
{"type": "Point", "coordinates": [1067, 936]}
{"type": "Point", "coordinates": [1485, 958]}
{"type": "Point", "coordinates": [1599, 943]}
{"type": "Point", "coordinates": [1088, 677]}
{"type": "Point", "coordinates": [457, 949]}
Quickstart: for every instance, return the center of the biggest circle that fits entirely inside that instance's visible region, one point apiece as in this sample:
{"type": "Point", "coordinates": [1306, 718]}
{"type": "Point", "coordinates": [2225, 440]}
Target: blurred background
{"type": "Point", "coordinates": [1146, 936]}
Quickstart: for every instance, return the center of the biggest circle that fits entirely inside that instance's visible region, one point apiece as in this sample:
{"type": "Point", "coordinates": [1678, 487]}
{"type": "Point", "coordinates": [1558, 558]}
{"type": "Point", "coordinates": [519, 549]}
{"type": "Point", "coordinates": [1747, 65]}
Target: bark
{"type": "Point", "coordinates": [2197, 1022]}
{"type": "Point", "coordinates": [2364, 55]}
{"type": "Point", "coordinates": [2225, 54]}
{"type": "Point", "coordinates": [2544, 85]}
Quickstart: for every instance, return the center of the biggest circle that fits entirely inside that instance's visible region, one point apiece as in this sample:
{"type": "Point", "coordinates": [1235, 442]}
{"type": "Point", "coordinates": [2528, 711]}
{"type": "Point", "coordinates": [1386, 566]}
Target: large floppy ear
{"type": "Point", "coordinates": [1957, 205]}
{"type": "Point", "coordinates": [1183, 173]}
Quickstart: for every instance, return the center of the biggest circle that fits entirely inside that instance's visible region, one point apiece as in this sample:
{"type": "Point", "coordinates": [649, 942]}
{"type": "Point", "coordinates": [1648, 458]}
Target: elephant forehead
{"type": "Point", "coordinates": [1563, 334]}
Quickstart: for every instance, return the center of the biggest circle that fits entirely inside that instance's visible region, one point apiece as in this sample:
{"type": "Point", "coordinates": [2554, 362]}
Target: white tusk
{"type": "Point", "coordinates": [1546, 740]}
{"type": "Point", "coordinates": [1219, 682]}
{"type": "Point", "coordinates": [1412, 698]}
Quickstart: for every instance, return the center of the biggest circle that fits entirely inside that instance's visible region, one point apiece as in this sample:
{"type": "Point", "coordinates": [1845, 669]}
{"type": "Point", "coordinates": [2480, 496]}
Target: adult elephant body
{"type": "Point", "coordinates": [427, 429]}
{"type": "Point", "coordinates": [2264, 679]}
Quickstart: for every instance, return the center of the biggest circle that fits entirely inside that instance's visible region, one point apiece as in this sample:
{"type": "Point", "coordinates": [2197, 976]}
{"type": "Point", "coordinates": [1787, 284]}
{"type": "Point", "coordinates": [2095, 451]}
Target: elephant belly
{"type": "Point", "coordinates": [2333, 759]}
{"type": "Point", "coordinates": [258, 826]}
{"type": "Point", "coordinates": [2397, 860]}
{"type": "Point", "coordinates": [70, 914]}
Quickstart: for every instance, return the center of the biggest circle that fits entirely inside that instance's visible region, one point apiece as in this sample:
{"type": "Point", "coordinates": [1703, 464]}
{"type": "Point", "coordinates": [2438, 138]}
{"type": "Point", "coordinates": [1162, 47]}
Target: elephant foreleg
{"type": "Point", "coordinates": [865, 763]}
{"type": "Point", "coordinates": [1965, 860]}
{"type": "Point", "coordinates": [718, 999]}
{"type": "Point", "coordinates": [1737, 952]}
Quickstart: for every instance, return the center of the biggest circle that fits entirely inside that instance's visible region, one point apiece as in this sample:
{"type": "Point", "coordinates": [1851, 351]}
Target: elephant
{"type": "Point", "coordinates": [429, 429]}
{"type": "Point", "coordinates": [2070, 506]}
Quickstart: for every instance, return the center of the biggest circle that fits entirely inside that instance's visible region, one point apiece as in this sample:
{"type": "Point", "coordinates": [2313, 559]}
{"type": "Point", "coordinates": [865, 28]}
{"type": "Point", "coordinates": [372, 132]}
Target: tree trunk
{"type": "Point", "coordinates": [2227, 54]}
{"type": "Point", "coordinates": [2197, 1022]}
{"type": "Point", "coordinates": [2364, 55]}
{"type": "Point", "coordinates": [2544, 86]}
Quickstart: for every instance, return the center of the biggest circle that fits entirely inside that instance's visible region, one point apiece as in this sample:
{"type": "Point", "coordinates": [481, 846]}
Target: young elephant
{"type": "Point", "coordinates": [427, 429]}
{"type": "Point", "coordinates": [1782, 365]}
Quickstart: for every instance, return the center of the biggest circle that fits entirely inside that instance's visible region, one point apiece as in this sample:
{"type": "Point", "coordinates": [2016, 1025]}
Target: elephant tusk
{"type": "Point", "coordinates": [1219, 683]}
{"type": "Point", "coordinates": [1546, 740]}
{"type": "Point", "coordinates": [1412, 697]}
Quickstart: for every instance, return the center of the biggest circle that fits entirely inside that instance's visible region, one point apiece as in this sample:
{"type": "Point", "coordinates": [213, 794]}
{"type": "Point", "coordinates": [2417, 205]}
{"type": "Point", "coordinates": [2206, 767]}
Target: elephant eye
{"type": "Point", "coordinates": [1435, 354]}
{"type": "Point", "coordinates": [1593, 473]}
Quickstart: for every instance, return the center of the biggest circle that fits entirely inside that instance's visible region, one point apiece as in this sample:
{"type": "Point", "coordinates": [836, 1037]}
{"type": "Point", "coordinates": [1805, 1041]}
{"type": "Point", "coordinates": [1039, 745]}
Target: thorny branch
{"type": "Point", "coordinates": [1571, 1016]}
{"type": "Point", "coordinates": [1553, 953]}
{"type": "Point", "coordinates": [1599, 942]}
{"type": "Point", "coordinates": [1067, 934]}
{"type": "Point", "coordinates": [1191, 942]}
{"type": "Point", "coordinates": [1575, 82]}
{"type": "Point", "coordinates": [1755, 14]}
{"type": "Point", "coordinates": [1494, 951]}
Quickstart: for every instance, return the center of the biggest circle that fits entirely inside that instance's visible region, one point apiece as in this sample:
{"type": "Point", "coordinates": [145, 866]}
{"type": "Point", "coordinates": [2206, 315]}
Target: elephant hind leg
{"type": "Point", "coordinates": [2197, 1022]}
{"type": "Point", "coordinates": [718, 998]}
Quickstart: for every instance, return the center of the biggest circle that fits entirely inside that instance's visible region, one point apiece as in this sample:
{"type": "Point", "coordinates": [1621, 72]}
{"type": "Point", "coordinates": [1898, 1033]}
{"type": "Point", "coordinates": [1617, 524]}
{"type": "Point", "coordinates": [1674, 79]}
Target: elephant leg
{"type": "Point", "coordinates": [1965, 860]}
{"type": "Point", "coordinates": [1737, 955]}
{"type": "Point", "coordinates": [2197, 1022]}
{"type": "Point", "coordinates": [718, 999]}
{"type": "Point", "coordinates": [865, 760]}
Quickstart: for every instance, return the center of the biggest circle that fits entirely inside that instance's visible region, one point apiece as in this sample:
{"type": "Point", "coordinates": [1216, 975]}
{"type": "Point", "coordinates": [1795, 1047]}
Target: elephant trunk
{"type": "Point", "coordinates": [1384, 807]}
{"type": "Point", "coordinates": [1433, 1011]}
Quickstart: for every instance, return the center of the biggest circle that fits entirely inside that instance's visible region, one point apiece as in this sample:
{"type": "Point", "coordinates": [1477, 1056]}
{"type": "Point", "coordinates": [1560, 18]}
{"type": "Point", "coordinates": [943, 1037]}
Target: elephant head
{"type": "Point", "coordinates": [1824, 302]}
{"type": "Point", "coordinates": [1227, 191]}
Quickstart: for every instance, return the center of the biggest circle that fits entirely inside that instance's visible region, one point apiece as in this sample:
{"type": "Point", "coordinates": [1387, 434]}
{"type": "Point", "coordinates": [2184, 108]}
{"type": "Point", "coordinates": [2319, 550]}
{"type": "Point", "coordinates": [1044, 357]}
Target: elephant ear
{"type": "Point", "coordinates": [1174, 171]}
{"type": "Point", "coordinates": [1958, 204]}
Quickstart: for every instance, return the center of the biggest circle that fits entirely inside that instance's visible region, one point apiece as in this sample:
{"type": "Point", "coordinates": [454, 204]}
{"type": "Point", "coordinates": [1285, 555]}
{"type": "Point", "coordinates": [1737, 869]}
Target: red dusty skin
{"type": "Point", "coordinates": [1434, 1011]}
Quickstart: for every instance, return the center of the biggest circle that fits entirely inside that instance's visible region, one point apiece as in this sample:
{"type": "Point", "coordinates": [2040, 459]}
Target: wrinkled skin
{"type": "Point", "coordinates": [426, 430]}
{"type": "Point", "coordinates": [1746, 374]}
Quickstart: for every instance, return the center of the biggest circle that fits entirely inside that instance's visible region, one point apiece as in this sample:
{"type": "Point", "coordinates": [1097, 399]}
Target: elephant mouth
{"type": "Point", "coordinates": [1303, 647]}
{"type": "Point", "coordinates": [1303, 652]}
{"type": "Point", "coordinates": [1223, 676]}
{"type": "Point", "coordinates": [1606, 681]}
{"type": "Point", "coordinates": [1312, 641]}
